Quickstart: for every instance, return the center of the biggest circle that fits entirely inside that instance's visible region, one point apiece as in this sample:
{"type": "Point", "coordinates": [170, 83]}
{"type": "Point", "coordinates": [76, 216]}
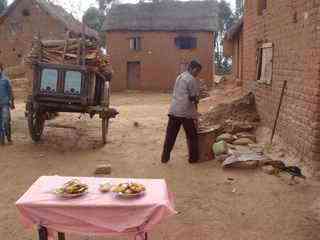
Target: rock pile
{"type": "Point", "coordinates": [234, 117]}
{"type": "Point", "coordinates": [235, 145]}
{"type": "Point", "coordinates": [238, 150]}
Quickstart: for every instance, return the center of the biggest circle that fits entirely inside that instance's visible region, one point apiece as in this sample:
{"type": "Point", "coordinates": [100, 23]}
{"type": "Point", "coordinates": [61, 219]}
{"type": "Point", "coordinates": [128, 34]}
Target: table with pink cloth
{"type": "Point", "coordinates": [95, 213]}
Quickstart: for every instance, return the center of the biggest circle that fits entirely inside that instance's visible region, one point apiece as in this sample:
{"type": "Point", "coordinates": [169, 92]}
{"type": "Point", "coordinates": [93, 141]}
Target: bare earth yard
{"type": "Point", "coordinates": [256, 207]}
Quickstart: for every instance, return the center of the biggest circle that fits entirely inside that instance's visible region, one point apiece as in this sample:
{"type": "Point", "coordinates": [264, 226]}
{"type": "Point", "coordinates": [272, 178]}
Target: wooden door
{"type": "Point", "coordinates": [133, 75]}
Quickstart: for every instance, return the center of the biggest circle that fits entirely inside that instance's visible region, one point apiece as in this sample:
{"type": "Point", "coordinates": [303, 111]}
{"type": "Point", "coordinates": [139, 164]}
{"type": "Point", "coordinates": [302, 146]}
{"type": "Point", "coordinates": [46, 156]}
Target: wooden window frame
{"type": "Point", "coordinates": [61, 77]}
{"type": "Point", "coordinates": [135, 43]}
{"type": "Point", "coordinates": [186, 42]}
{"type": "Point", "coordinates": [262, 63]}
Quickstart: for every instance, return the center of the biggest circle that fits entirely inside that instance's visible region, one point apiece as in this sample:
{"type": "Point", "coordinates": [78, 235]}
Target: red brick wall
{"type": "Point", "coordinates": [160, 59]}
{"type": "Point", "coordinates": [26, 27]}
{"type": "Point", "coordinates": [292, 27]}
{"type": "Point", "coordinates": [237, 56]}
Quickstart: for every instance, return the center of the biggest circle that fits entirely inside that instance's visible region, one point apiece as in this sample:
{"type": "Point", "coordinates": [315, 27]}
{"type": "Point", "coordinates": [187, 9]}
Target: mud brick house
{"type": "Point", "coordinates": [233, 47]}
{"type": "Point", "coordinates": [25, 19]}
{"type": "Point", "coordinates": [150, 43]}
{"type": "Point", "coordinates": [281, 42]}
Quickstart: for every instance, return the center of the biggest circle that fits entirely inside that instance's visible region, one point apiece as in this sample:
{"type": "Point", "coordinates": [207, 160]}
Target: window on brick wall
{"type": "Point", "coordinates": [186, 42]}
{"type": "Point", "coordinates": [265, 63]}
{"type": "Point", "coordinates": [262, 6]}
{"type": "Point", "coordinates": [135, 43]}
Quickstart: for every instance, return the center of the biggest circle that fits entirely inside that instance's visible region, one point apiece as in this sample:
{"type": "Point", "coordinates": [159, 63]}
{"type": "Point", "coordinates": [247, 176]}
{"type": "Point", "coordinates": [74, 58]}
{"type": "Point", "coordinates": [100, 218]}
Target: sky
{"type": "Point", "coordinates": [77, 7]}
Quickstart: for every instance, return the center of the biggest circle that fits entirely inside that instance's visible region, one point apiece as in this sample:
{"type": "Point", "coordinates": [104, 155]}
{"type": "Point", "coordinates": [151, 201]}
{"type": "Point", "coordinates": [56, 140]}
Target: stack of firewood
{"type": "Point", "coordinates": [70, 52]}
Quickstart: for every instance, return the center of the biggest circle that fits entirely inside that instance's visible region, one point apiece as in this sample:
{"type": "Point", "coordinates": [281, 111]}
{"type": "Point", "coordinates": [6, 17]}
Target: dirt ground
{"type": "Point", "coordinates": [256, 207]}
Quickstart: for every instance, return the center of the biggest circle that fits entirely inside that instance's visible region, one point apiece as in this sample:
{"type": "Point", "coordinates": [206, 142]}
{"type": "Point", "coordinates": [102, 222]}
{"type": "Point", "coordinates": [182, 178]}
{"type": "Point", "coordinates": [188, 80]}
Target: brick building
{"type": "Point", "coordinates": [281, 41]}
{"type": "Point", "coordinates": [233, 47]}
{"type": "Point", "coordinates": [25, 19]}
{"type": "Point", "coordinates": [151, 43]}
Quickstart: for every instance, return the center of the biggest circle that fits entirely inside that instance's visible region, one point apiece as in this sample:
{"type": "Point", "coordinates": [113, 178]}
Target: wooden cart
{"type": "Point", "coordinates": [67, 87]}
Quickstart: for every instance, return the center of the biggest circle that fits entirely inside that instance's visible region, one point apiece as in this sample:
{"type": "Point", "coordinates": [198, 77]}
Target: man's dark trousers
{"type": "Point", "coordinates": [173, 128]}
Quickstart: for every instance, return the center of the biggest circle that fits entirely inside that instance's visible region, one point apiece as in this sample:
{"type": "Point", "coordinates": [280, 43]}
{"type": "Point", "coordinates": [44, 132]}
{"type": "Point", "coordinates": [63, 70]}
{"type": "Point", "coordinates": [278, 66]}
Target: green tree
{"type": "Point", "coordinates": [3, 5]}
{"type": "Point", "coordinates": [104, 5]}
{"type": "Point", "coordinates": [94, 19]}
{"type": "Point", "coordinates": [226, 18]}
{"type": "Point", "coordinates": [239, 8]}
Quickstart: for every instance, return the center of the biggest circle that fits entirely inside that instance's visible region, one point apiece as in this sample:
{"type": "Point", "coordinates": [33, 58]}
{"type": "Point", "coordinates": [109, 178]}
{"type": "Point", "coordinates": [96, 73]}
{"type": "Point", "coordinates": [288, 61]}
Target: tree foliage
{"type": "Point", "coordinates": [226, 18]}
{"type": "Point", "coordinates": [239, 8]}
{"type": "Point", "coordinates": [104, 5]}
{"type": "Point", "coordinates": [3, 5]}
{"type": "Point", "coordinates": [94, 19]}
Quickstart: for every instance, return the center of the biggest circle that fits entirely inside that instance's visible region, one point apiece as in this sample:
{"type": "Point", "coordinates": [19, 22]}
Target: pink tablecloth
{"type": "Point", "coordinates": [95, 213]}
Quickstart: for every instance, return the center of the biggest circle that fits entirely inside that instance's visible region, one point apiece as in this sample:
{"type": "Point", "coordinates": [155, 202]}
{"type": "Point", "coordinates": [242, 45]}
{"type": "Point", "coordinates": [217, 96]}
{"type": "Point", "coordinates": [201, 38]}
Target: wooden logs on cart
{"type": "Point", "coordinates": [70, 52]}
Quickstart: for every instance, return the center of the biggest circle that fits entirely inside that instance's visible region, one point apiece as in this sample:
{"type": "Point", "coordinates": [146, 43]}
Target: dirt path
{"type": "Point", "coordinates": [256, 206]}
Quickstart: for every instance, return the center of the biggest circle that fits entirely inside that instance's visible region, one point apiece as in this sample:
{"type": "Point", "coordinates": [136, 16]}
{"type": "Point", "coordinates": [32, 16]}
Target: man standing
{"type": "Point", "coordinates": [6, 102]}
{"type": "Point", "coordinates": [183, 111]}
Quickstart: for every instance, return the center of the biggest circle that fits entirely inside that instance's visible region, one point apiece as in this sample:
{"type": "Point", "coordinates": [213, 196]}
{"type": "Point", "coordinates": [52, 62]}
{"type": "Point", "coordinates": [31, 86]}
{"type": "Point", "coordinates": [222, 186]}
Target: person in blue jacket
{"type": "Point", "coordinates": [6, 103]}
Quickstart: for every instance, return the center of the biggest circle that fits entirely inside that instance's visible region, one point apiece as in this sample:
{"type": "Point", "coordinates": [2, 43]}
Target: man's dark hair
{"type": "Point", "coordinates": [194, 64]}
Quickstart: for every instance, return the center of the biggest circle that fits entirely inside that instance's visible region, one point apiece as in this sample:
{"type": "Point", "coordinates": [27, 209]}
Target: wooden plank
{"type": "Point", "coordinates": [259, 64]}
{"type": "Point", "coordinates": [92, 87]}
{"type": "Point", "coordinates": [267, 62]}
{"type": "Point", "coordinates": [39, 48]}
{"type": "Point", "coordinates": [53, 43]}
{"type": "Point", "coordinates": [63, 67]}
{"type": "Point", "coordinates": [79, 52]}
{"type": "Point", "coordinates": [83, 41]}
{"type": "Point", "coordinates": [58, 107]}
{"type": "Point", "coordinates": [278, 111]}
{"type": "Point", "coordinates": [267, 45]}
{"type": "Point", "coordinates": [65, 47]}
{"type": "Point", "coordinates": [60, 98]}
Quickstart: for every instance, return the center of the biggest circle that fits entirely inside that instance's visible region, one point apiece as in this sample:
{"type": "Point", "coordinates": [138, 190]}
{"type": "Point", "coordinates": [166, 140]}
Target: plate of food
{"type": "Point", "coordinates": [129, 190]}
{"type": "Point", "coordinates": [71, 189]}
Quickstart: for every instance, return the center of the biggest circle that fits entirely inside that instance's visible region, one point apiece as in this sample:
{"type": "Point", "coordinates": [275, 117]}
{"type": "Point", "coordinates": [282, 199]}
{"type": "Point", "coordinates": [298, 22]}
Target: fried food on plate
{"type": "Point", "coordinates": [129, 188]}
{"type": "Point", "coordinates": [73, 187]}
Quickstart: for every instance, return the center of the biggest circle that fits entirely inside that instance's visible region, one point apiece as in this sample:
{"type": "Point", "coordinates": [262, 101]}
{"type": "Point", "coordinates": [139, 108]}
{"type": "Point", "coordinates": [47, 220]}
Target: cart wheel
{"type": "Point", "coordinates": [8, 131]}
{"type": "Point", "coordinates": [36, 125]}
{"type": "Point", "coordinates": [105, 128]}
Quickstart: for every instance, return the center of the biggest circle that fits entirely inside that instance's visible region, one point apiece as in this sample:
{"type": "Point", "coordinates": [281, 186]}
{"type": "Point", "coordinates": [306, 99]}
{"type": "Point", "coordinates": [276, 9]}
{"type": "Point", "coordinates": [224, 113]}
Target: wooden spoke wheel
{"type": "Point", "coordinates": [105, 128]}
{"type": "Point", "coordinates": [8, 131]}
{"type": "Point", "coordinates": [36, 125]}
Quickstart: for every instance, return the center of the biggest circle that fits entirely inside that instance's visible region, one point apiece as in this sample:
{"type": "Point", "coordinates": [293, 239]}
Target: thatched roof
{"type": "Point", "coordinates": [58, 13]}
{"type": "Point", "coordinates": [163, 16]}
{"type": "Point", "coordinates": [234, 30]}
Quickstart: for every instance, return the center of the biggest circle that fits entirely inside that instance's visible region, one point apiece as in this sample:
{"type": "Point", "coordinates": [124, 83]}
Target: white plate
{"type": "Point", "coordinates": [134, 195]}
{"type": "Point", "coordinates": [69, 195]}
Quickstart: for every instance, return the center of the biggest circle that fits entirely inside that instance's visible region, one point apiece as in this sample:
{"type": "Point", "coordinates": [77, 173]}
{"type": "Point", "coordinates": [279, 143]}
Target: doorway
{"type": "Point", "coordinates": [133, 75]}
